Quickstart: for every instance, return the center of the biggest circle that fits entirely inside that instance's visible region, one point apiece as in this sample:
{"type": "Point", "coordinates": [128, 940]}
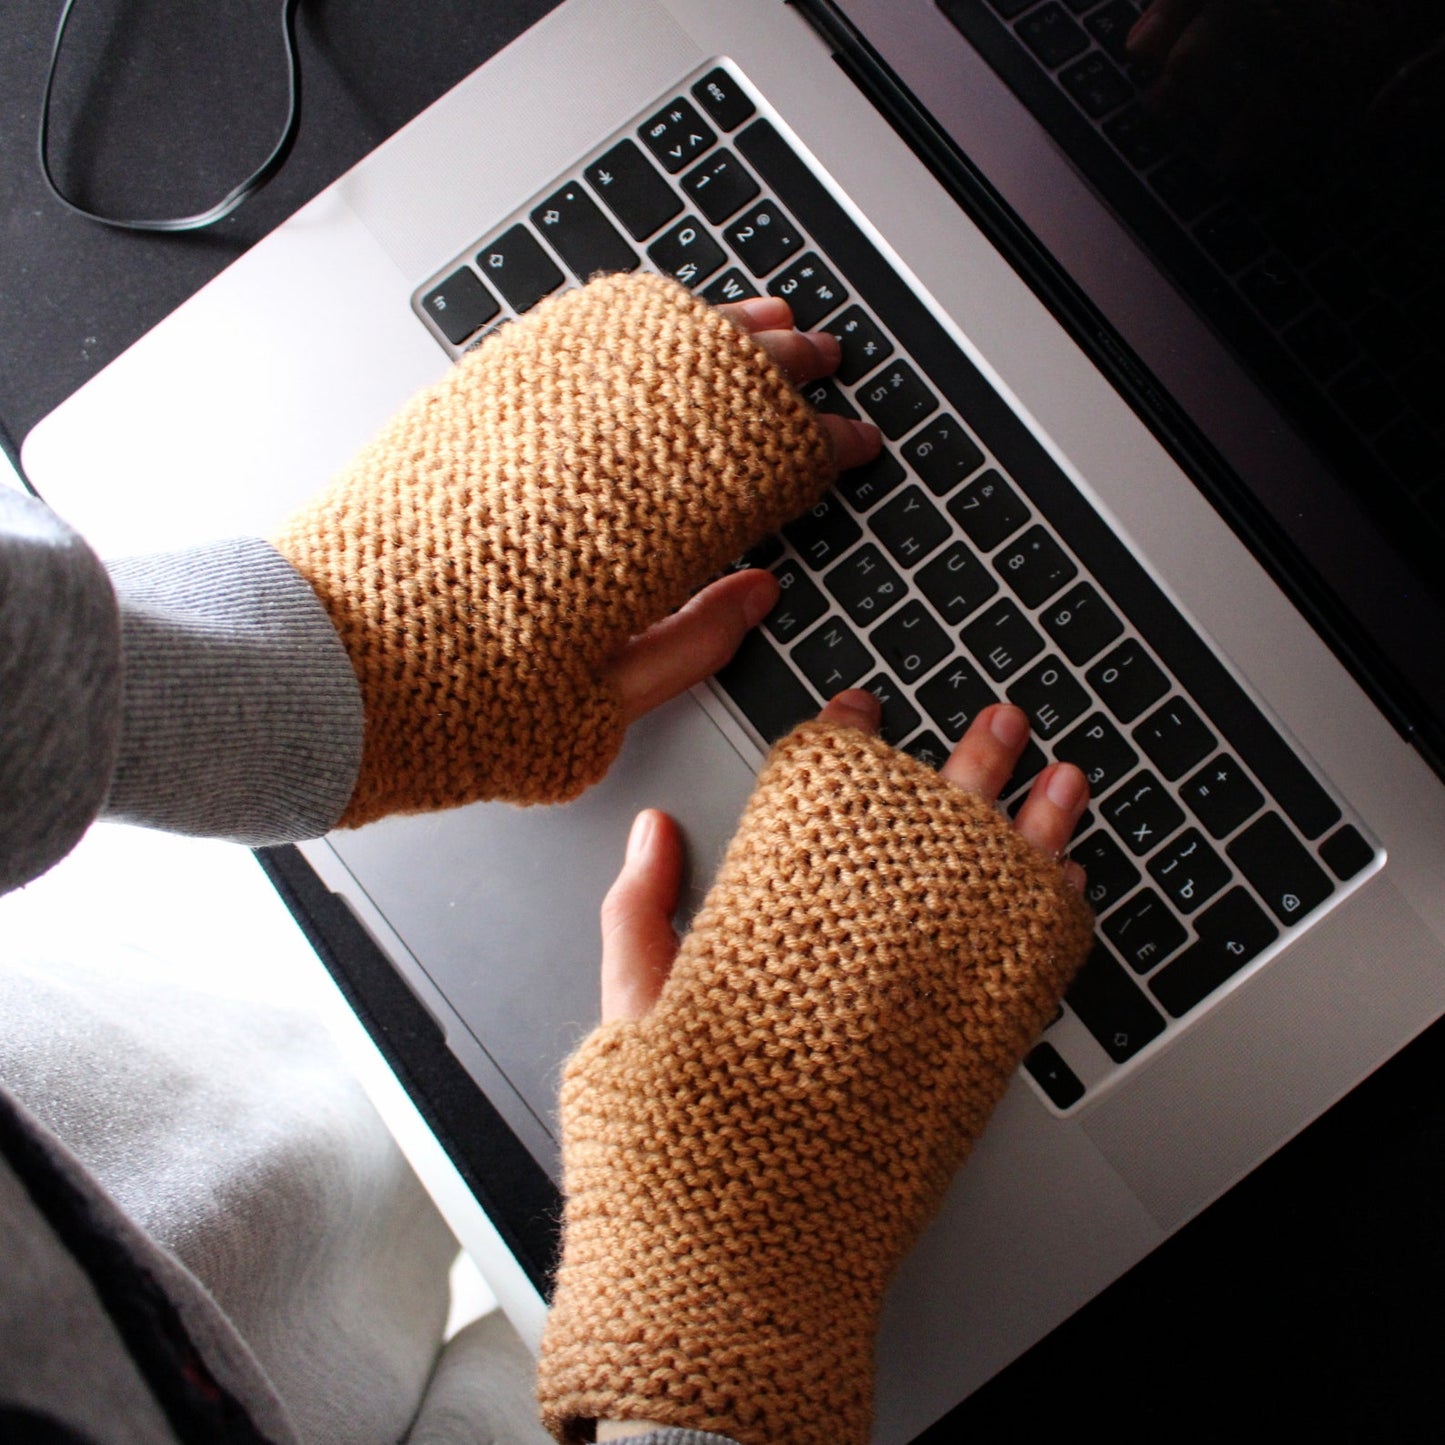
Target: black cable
{"type": "Point", "coordinates": [233, 198]}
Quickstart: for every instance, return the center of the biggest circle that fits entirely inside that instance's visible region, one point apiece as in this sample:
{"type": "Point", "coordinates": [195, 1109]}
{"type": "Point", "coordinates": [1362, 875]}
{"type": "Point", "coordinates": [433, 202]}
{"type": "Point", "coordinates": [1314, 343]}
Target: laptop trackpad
{"type": "Point", "coordinates": [499, 904]}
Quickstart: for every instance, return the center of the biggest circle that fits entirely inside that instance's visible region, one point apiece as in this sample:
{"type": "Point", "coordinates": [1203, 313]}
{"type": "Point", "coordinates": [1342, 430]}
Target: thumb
{"type": "Point", "coordinates": [639, 942]}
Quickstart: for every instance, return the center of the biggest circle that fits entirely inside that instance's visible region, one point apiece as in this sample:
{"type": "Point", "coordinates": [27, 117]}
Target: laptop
{"type": "Point", "coordinates": [1146, 474]}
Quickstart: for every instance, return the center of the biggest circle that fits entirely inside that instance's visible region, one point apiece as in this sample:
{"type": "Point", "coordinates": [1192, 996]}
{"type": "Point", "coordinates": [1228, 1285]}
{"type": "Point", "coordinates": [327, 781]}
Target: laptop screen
{"type": "Point", "coordinates": [1276, 163]}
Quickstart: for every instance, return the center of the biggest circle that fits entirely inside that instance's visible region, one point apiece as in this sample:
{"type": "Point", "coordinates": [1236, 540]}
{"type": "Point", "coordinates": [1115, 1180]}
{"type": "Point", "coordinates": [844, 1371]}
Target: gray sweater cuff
{"type": "Point", "coordinates": [59, 687]}
{"type": "Point", "coordinates": [241, 716]}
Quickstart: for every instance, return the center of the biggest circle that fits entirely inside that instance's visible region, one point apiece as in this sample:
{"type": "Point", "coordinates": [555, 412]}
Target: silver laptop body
{"type": "Point", "coordinates": [297, 352]}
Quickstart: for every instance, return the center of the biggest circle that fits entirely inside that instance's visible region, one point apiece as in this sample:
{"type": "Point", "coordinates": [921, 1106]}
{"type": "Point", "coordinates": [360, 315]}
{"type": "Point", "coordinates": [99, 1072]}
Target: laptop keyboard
{"type": "Point", "coordinates": [1311, 275]}
{"type": "Point", "coordinates": [958, 569]}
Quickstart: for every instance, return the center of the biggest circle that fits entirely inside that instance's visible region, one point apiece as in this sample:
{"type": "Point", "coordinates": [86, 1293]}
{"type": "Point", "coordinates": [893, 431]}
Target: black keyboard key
{"type": "Point", "coordinates": [519, 268]}
{"type": "Point", "coordinates": [943, 454]}
{"type": "Point", "coordinates": [687, 252]}
{"type": "Point", "coordinates": [955, 696]}
{"type": "Point", "coordinates": [731, 286]}
{"type": "Point", "coordinates": [1185, 187]}
{"type": "Point", "coordinates": [1035, 566]}
{"type": "Point", "coordinates": [900, 718]}
{"type": "Point", "coordinates": [1139, 138]}
{"type": "Point", "coordinates": [910, 526]}
{"type": "Point", "coordinates": [1222, 795]}
{"type": "Point", "coordinates": [632, 190]}
{"type": "Point", "coordinates": [831, 657]}
{"type": "Point", "coordinates": [1007, 8]}
{"type": "Point", "coordinates": [897, 399]}
{"type": "Point", "coordinates": [575, 228]}
{"type": "Point", "coordinates": [1112, 1007]}
{"type": "Point", "coordinates": [1099, 750]}
{"type": "Point", "coordinates": [1108, 873]}
{"type": "Point", "coordinates": [765, 688]}
{"type": "Point", "coordinates": [1145, 931]}
{"type": "Point", "coordinates": [1231, 238]}
{"type": "Point", "coordinates": [725, 101]}
{"type": "Point", "coordinates": [865, 585]}
{"type": "Point", "coordinates": [1052, 35]}
{"type": "Point", "coordinates": [957, 583]}
{"type": "Point", "coordinates": [1128, 680]}
{"type": "Point", "coordinates": [1281, 870]}
{"type": "Point", "coordinates": [867, 485]}
{"type": "Point", "coordinates": [1003, 639]}
{"type": "Point", "coordinates": [800, 606]}
{"type": "Point", "coordinates": [1346, 852]}
{"type": "Point", "coordinates": [1051, 696]}
{"type": "Point", "coordinates": [1231, 933]}
{"type": "Point", "coordinates": [1058, 1081]}
{"type": "Point", "coordinates": [862, 342]}
{"type": "Point", "coordinates": [1188, 870]}
{"type": "Point", "coordinates": [676, 135]}
{"type": "Point", "coordinates": [823, 533]}
{"type": "Point", "coordinates": [1110, 26]}
{"type": "Point", "coordinates": [911, 642]}
{"type": "Point", "coordinates": [460, 305]}
{"type": "Point", "coordinates": [1175, 738]}
{"type": "Point", "coordinates": [720, 185]}
{"type": "Point", "coordinates": [1275, 290]}
{"type": "Point", "coordinates": [823, 395]}
{"type": "Point", "coordinates": [811, 289]}
{"type": "Point", "coordinates": [1096, 85]}
{"type": "Point", "coordinates": [989, 510]}
{"type": "Point", "coordinates": [1142, 813]}
{"type": "Point", "coordinates": [763, 238]}
{"type": "Point", "coordinates": [1323, 346]}
{"type": "Point", "coordinates": [929, 749]}
{"type": "Point", "coordinates": [1081, 623]}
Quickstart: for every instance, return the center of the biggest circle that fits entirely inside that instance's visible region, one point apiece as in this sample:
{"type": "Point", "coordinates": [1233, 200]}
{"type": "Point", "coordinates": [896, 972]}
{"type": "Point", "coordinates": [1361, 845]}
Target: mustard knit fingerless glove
{"type": "Point", "coordinates": [566, 486]}
{"type": "Point", "coordinates": [746, 1165]}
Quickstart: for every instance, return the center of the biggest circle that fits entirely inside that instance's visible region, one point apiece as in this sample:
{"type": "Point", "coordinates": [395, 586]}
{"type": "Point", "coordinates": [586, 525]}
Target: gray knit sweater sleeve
{"type": "Point", "coordinates": [204, 692]}
{"type": "Point", "coordinates": [60, 688]}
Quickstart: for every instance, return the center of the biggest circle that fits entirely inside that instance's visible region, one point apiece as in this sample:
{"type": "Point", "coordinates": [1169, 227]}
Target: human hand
{"type": "Point", "coordinates": [750, 1143]}
{"type": "Point", "coordinates": [495, 560]}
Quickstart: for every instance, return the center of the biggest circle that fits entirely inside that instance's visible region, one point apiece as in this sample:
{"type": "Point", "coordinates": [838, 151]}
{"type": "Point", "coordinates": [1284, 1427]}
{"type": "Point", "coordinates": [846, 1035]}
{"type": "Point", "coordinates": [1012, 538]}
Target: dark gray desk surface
{"type": "Point", "coordinates": [1306, 1300]}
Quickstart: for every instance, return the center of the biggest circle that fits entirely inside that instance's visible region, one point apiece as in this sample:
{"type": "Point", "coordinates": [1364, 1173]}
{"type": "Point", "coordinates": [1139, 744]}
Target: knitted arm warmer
{"type": "Point", "coordinates": [746, 1165]}
{"type": "Point", "coordinates": [567, 485]}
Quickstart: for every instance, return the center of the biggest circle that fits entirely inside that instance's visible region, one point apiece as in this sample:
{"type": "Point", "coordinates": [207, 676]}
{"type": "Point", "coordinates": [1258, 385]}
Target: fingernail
{"type": "Point", "coordinates": [639, 840]}
{"type": "Point", "coordinates": [828, 347]}
{"type": "Point", "coordinates": [1065, 789]}
{"type": "Point", "coordinates": [867, 432]}
{"type": "Point", "coordinates": [1010, 726]}
{"type": "Point", "coordinates": [766, 311]}
{"type": "Point", "coordinates": [760, 599]}
{"type": "Point", "coordinates": [862, 704]}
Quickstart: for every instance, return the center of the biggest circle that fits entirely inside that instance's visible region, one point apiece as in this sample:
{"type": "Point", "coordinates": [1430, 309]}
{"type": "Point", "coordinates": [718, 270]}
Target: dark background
{"type": "Point", "coordinates": [1307, 1300]}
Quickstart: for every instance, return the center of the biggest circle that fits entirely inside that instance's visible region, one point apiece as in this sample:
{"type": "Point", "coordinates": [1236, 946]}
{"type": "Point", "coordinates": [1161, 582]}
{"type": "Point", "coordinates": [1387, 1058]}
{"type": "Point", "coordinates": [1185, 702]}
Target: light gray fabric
{"type": "Point", "coordinates": [232, 1134]}
{"type": "Point", "coordinates": [60, 688]}
{"type": "Point", "coordinates": [241, 714]}
{"type": "Point", "coordinates": [482, 1392]}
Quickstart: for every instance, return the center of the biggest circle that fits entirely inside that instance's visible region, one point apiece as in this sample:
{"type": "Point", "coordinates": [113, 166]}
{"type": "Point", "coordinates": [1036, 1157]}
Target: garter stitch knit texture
{"type": "Point", "coordinates": [746, 1165]}
{"type": "Point", "coordinates": [565, 486]}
